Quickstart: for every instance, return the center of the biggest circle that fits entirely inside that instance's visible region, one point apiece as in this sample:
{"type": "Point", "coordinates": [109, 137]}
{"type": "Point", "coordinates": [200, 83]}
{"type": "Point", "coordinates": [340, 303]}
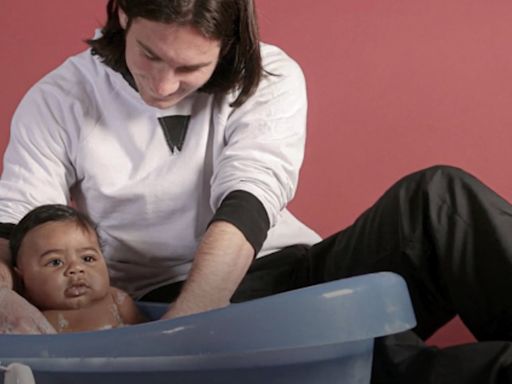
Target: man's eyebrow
{"type": "Point", "coordinates": [191, 66]}
{"type": "Point", "coordinates": [146, 48]}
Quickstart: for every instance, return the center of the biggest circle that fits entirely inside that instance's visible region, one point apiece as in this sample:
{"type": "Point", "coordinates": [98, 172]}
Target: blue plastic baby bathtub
{"type": "Point", "coordinates": [319, 334]}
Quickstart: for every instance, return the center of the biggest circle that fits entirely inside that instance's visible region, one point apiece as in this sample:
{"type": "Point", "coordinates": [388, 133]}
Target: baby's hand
{"type": "Point", "coordinates": [17, 315]}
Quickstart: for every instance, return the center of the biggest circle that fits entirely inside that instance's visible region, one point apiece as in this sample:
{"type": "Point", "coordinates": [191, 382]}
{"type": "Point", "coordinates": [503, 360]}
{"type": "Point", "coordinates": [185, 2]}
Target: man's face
{"type": "Point", "coordinates": [62, 266]}
{"type": "Point", "coordinates": [167, 61]}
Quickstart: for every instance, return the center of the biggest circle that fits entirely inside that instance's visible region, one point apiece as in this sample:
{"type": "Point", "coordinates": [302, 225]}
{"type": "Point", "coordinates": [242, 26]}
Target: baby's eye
{"type": "Point", "coordinates": [54, 263]}
{"type": "Point", "coordinates": [88, 258]}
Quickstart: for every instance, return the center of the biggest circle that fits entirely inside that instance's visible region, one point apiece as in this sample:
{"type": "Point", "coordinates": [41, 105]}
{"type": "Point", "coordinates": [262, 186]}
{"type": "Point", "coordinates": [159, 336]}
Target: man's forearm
{"type": "Point", "coordinates": [221, 262]}
{"type": "Point", "coordinates": [6, 278]}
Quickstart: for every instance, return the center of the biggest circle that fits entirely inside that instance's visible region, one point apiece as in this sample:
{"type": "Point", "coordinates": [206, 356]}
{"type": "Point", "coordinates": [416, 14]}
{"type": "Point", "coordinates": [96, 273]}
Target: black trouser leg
{"type": "Point", "coordinates": [404, 359]}
{"type": "Point", "coordinates": [448, 235]}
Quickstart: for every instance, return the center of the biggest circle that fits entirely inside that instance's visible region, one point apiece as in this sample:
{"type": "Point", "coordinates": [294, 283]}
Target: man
{"type": "Point", "coordinates": [164, 132]}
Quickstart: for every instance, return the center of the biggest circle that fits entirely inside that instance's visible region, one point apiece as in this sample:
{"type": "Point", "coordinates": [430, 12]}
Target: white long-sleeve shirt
{"type": "Point", "coordinates": [83, 132]}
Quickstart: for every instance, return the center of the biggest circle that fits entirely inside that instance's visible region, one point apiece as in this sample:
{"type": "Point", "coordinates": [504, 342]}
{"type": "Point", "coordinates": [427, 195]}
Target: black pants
{"type": "Point", "coordinates": [450, 237]}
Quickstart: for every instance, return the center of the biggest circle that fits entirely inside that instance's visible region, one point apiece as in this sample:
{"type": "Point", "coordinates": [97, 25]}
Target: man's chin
{"type": "Point", "coordinates": [163, 103]}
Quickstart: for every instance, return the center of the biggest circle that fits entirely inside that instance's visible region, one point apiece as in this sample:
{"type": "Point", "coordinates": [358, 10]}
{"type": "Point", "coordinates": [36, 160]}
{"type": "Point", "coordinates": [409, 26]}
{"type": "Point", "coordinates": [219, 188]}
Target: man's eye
{"type": "Point", "coordinates": [150, 57]}
{"type": "Point", "coordinates": [89, 259]}
{"type": "Point", "coordinates": [187, 69]}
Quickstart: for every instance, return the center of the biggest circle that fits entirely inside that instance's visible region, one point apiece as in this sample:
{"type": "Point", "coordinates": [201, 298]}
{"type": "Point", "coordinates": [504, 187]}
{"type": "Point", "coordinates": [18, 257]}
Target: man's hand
{"type": "Point", "coordinates": [220, 263]}
{"type": "Point", "coordinates": [17, 315]}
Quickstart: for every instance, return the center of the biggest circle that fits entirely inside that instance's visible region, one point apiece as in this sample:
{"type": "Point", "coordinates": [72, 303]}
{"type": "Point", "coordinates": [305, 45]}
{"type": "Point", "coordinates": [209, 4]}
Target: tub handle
{"type": "Point", "coordinates": [16, 373]}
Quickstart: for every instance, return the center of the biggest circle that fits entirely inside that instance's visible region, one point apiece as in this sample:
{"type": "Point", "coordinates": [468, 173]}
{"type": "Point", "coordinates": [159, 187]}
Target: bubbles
{"type": "Point", "coordinates": [120, 296]}
{"type": "Point", "coordinates": [117, 316]}
{"type": "Point", "coordinates": [62, 322]}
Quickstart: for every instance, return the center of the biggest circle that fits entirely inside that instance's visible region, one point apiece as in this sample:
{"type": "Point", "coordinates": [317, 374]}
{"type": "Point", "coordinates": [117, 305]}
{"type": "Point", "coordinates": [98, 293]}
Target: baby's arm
{"type": "Point", "coordinates": [127, 308]}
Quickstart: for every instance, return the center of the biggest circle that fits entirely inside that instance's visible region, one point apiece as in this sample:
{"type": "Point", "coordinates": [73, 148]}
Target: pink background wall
{"type": "Point", "coordinates": [394, 86]}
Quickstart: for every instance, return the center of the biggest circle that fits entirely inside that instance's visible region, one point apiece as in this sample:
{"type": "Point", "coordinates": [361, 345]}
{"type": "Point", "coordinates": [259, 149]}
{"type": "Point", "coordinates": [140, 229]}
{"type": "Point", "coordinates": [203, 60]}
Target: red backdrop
{"type": "Point", "coordinates": [394, 86]}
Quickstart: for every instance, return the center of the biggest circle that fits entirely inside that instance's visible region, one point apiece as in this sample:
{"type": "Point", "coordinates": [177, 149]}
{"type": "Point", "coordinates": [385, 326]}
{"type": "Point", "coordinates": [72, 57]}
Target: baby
{"type": "Point", "coordinates": [58, 258]}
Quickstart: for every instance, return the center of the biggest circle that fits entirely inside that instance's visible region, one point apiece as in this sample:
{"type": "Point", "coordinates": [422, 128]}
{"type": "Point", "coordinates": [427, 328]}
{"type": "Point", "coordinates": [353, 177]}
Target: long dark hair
{"type": "Point", "coordinates": [233, 22]}
{"type": "Point", "coordinates": [44, 214]}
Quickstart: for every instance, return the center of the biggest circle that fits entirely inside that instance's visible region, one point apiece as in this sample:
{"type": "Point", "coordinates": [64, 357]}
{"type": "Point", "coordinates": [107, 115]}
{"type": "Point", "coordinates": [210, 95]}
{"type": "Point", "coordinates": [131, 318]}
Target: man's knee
{"type": "Point", "coordinates": [440, 177]}
{"type": "Point", "coordinates": [442, 171]}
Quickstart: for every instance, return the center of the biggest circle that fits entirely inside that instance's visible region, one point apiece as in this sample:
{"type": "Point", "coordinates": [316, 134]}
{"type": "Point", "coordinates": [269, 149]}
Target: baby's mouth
{"type": "Point", "coordinates": [76, 289]}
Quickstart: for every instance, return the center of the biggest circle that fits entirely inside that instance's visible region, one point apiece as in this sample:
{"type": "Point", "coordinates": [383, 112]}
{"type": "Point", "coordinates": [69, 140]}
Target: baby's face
{"type": "Point", "coordinates": [62, 266]}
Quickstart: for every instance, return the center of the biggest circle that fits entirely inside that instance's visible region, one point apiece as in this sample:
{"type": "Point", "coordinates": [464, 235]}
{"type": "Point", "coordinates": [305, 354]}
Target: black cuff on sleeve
{"type": "Point", "coordinates": [5, 230]}
{"type": "Point", "coordinates": [247, 213]}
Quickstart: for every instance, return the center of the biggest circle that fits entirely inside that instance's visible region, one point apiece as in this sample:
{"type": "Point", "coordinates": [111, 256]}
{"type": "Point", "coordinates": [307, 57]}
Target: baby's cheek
{"type": "Point", "coordinates": [102, 284]}
{"type": "Point", "coordinates": [46, 297]}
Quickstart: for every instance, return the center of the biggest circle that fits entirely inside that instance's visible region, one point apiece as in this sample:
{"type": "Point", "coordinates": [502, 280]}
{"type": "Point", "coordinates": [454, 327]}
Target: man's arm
{"type": "Point", "coordinates": [222, 260]}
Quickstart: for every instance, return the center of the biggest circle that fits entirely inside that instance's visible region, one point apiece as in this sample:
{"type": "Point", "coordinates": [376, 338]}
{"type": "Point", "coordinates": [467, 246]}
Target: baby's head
{"type": "Point", "coordinates": [56, 253]}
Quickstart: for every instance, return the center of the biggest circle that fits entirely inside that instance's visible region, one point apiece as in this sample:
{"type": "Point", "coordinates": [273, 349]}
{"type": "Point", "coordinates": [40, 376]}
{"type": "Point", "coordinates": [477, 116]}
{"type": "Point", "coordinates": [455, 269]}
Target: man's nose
{"type": "Point", "coordinates": [165, 82]}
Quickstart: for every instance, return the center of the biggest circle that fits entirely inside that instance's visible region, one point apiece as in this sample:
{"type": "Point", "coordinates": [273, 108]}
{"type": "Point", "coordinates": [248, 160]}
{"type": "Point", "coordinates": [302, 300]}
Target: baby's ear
{"type": "Point", "coordinates": [18, 280]}
{"type": "Point", "coordinates": [18, 274]}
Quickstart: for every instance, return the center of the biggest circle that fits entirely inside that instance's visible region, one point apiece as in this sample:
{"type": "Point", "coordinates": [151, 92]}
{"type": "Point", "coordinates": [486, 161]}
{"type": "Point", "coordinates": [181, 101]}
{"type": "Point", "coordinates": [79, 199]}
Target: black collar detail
{"type": "Point", "coordinates": [129, 78]}
{"type": "Point", "coordinates": [175, 130]}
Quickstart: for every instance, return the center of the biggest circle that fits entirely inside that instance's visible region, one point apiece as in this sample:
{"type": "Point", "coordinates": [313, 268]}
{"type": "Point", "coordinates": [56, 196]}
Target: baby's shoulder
{"type": "Point", "coordinates": [128, 311]}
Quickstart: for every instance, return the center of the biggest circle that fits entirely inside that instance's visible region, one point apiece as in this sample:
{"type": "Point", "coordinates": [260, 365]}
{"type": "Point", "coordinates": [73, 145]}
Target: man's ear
{"type": "Point", "coordinates": [123, 19]}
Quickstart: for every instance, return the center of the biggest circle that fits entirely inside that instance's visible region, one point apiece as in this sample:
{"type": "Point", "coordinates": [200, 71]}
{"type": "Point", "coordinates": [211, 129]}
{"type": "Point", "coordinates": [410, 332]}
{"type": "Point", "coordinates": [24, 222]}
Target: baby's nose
{"type": "Point", "coordinates": [75, 268]}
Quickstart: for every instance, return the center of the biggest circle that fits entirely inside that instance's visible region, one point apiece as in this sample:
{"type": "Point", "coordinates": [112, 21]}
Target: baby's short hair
{"type": "Point", "coordinates": [44, 214]}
